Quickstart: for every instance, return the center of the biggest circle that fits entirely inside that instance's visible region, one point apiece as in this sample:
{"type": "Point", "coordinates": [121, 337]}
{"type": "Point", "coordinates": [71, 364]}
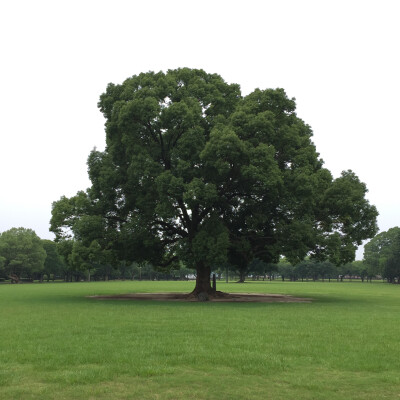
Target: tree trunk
{"type": "Point", "coordinates": [242, 277]}
{"type": "Point", "coordinates": [203, 284]}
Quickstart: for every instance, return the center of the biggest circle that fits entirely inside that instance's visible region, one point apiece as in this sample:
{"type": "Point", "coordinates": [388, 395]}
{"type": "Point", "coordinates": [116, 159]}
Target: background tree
{"type": "Point", "coordinates": [240, 258]}
{"type": "Point", "coordinates": [258, 268]}
{"type": "Point", "coordinates": [2, 272]}
{"type": "Point", "coordinates": [64, 249]}
{"type": "Point", "coordinates": [307, 269]}
{"type": "Point", "coordinates": [22, 252]}
{"type": "Point", "coordinates": [53, 264]}
{"type": "Point", "coordinates": [127, 270]}
{"type": "Point", "coordinates": [392, 262]}
{"type": "Point", "coordinates": [286, 270]}
{"type": "Point", "coordinates": [359, 269]}
{"type": "Point", "coordinates": [326, 270]}
{"type": "Point", "coordinates": [185, 273]}
{"type": "Point", "coordinates": [194, 173]}
{"type": "Point", "coordinates": [379, 250]}
{"type": "Point", "coordinates": [85, 258]}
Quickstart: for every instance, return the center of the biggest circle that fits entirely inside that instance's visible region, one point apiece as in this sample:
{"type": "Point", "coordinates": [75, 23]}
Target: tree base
{"type": "Point", "coordinates": [207, 296]}
{"type": "Point", "coordinates": [218, 297]}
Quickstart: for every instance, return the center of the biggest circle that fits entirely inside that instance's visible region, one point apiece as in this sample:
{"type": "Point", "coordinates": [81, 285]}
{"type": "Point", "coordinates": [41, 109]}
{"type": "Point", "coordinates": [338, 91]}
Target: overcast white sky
{"type": "Point", "coordinates": [339, 59]}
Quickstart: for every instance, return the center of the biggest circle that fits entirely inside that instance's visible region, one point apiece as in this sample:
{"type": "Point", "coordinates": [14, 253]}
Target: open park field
{"type": "Point", "coordinates": [56, 343]}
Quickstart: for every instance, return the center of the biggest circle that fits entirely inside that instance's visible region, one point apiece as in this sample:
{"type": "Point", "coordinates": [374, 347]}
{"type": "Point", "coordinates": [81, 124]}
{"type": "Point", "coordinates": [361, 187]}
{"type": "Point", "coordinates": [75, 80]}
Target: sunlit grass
{"type": "Point", "coordinates": [55, 343]}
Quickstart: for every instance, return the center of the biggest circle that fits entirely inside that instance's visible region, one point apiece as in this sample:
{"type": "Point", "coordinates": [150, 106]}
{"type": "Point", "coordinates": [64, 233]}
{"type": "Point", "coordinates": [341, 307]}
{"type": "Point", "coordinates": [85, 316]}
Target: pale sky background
{"type": "Point", "coordinates": [339, 59]}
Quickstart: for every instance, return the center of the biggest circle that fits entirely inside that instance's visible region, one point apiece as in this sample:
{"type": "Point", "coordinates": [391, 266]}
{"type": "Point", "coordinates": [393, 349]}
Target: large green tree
{"type": "Point", "coordinates": [382, 254]}
{"type": "Point", "coordinates": [22, 252]}
{"type": "Point", "coordinates": [194, 172]}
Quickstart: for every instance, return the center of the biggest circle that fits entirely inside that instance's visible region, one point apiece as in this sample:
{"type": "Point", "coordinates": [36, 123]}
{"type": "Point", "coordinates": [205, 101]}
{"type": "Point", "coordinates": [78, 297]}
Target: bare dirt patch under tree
{"type": "Point", "coordinates": [220, 297]}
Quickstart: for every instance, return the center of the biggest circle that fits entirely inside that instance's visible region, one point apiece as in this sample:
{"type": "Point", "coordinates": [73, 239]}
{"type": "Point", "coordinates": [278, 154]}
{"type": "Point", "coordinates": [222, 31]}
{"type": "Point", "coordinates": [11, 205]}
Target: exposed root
{"type": "Point", "coordinates": [206, 296]}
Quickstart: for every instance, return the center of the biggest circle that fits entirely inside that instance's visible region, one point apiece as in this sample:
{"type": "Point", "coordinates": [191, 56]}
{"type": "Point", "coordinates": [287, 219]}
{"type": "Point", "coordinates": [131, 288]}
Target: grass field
{"type": "Point", "coordinates": [57, 344]}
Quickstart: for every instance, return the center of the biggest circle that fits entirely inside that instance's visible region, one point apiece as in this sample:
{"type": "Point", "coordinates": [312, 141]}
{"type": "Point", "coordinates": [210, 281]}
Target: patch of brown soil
{"type": "Point", "coordinates": [221, 297]}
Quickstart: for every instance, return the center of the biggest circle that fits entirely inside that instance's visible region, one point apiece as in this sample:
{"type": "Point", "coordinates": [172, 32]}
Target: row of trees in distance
{"type": "Point", "coordinates": [24, 255]}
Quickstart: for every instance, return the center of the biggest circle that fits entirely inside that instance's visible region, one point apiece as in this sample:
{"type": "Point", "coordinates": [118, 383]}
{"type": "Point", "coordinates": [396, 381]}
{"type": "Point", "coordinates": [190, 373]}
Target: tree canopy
{"type": "Point", "coordinates": [53, 264]}
{"type": "Point", "coordinates": [382, 254]}
{"type": "Point", "coordinates": [21, 251]}
{"type": "Point", "coordinates": [195, 172]}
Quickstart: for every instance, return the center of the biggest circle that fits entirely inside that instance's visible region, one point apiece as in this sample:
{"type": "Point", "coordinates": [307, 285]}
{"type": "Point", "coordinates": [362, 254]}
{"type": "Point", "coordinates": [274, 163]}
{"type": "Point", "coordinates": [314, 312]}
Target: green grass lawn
{"type": "Point", "coordinates": [57, 344]}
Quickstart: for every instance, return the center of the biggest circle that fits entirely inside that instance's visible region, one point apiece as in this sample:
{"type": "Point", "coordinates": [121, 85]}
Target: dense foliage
{"type": "Point", "coordinates": [21, 251]}
{"type": "Point", "coordinates": [195, 173]}
{"type": "Point", "coordinates": [382, 254]}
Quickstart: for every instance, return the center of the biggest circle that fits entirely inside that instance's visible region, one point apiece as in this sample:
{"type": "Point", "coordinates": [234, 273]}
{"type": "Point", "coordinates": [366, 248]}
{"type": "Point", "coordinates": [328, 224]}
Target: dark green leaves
{"type": "Point", "coordinates": [21, 251]}
{"type": "Point", "coordinates": [195, 172]}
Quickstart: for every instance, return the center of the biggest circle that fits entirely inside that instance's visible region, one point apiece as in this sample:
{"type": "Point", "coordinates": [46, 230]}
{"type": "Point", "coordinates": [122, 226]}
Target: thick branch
{"type": "Point", "coordinates": [204, 213]}
{"type": "Point", "coordinates": [151, 131]}
{"type": "Point", "coordinates": [185, 213]}
{"type": "Point", "coordinates": [115, 218]}
{"type": "Point", "coordinates": [171, 228]}
{"type": "Point", "coordinates": [174, 142]}
{"type": "Point", "coordinates": [160, 141]}
{"type": "Point", "coordinates": [170, 241]}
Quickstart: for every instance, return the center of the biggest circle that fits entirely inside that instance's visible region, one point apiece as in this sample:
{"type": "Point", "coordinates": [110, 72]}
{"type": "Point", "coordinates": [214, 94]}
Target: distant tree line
{"type": "Point", "coordinates": [306, 270]}
{"type": "Point", "coordinates": [23, 255]}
